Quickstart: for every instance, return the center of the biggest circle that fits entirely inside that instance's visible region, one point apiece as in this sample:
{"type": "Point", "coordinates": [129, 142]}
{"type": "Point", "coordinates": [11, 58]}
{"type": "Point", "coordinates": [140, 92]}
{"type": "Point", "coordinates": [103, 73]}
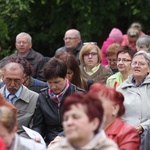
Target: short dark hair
{"type": "Point", "coordinates": [126, 49]}
{"type": "Point", "coordinates": [55, 68]}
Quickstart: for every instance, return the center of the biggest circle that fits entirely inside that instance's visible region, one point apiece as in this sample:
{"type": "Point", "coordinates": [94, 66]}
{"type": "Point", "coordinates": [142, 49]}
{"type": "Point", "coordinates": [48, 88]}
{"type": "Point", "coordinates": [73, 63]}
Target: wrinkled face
{"type": "Point", "coordinates": [124, 62]}
{"type": "Point", "coordinates": [23, 45]}
{"type": "Point", "coordinates": [6, 136]}
{"type": "Point", "coordinates": [77, 126]}
{"type": "Point", "coordinates": [140, 67]}
{"type": "Point", "coordinates": [57, 84]}
{"type": "Point", "coordinates": [69, 74]}
{"type": "Point", "coordinates": [13, 80]}
{"type": "Point", "coordinates": [71, 40]}
{"type": "Point", "coordinates": [112, 61]}
{"type": "Point", "coordinates": [91, 58]}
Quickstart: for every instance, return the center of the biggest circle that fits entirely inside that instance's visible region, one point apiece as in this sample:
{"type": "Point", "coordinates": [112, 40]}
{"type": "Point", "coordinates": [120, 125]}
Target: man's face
{"type": "Point", "coordinates": [57, 84]}
{"type": "Point", "coordinates": [13, 80]}
{"type": "Point", "coordinates": [71, 40]}
{"type": "Point", "coordinates": [23, 45]}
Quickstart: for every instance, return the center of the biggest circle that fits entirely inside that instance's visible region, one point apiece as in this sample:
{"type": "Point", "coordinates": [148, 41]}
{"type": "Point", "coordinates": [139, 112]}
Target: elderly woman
{"type": "Point", "coordinates": [136, 90]}
{"type": "Point", "coordinates": [124, 58]}
{"type": "Point", "coordinates": [143, 43]}
{"type": "Point", "coordinates": [111, 54]}
{"type": "Point", "coordinates": [82, 120]}
{"type": "Point", "coordinates": [123, 134]}
{"type": "Point", "coordinates": [91, 67]}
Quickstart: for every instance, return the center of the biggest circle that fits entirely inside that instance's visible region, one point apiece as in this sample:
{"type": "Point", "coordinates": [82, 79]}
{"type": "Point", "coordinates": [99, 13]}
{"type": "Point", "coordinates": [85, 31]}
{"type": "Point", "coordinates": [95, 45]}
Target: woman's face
{"type": "Point", "coordinates": [77, 127]}
{"type": "Point", "coordinates": [91, 58]}
{"type": "Point", "coordinates": [6, 136]}
{"type": "Point", "coordinates": [140, 67]}
{"type": "Point", "coordinates": [69, 74]}
{"type": "Point", "coordinates": [124, 62]}
{"type": "Point", "coordinates": [110, 109]}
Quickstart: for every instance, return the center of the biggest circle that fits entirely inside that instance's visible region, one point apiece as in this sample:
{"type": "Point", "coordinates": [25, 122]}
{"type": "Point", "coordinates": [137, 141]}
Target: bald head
{"type": "Point", "coordinates": [72, 39]}
{"type": "Point", "coordinates": [12, 66]}
{"type": "Point", "coordinates": [13, 76]}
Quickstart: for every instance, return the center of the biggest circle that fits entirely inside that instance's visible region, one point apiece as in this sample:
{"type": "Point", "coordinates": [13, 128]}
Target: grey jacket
{"type": "Point", "coordinates": [137, 102]}
{"type": "Point", "coordinates": [25, 105]}
{"type": "Point", "coordinates": [21, 143]}
{"type": "Point", "coordinates": [99, 142]}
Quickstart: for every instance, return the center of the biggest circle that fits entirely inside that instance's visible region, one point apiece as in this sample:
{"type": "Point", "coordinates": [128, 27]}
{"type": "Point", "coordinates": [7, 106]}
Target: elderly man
{"type": "Point", "coordinates": [73, 43]}
{"type": "Point", "coordinates": [17, 94]}
{"type": "Point", "coordinates": [24, 49]}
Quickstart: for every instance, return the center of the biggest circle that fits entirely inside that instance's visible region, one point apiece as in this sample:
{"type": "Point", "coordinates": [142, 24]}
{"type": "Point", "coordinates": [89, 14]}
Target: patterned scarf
{"type": "Point", "coordinates": [57, 97]}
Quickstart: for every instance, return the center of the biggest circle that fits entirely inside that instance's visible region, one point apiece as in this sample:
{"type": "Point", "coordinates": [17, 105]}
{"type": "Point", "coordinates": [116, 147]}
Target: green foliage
{"type": "Point", "coordinates": [47, 20]}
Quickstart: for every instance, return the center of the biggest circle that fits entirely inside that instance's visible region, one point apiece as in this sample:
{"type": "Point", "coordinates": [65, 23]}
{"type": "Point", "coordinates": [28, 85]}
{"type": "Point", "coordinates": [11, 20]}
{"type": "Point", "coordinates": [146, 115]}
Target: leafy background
{"type": "Point", "coordinates": [47, 20]}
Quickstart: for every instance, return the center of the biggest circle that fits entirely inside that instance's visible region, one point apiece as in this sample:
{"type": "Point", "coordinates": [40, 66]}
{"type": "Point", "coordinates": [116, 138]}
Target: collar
{"type": "Point", "coordinates": [93, 70]}
{"type": "Point", "coordinates": [134, 82]}
{"type": "Point", "coordinates": [17, 94]}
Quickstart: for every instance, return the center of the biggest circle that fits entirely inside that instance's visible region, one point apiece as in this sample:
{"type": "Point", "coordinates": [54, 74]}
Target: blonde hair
{"type": "Point", "coordinates": [7, 118]}
{"type": "Point", "coordinates": [113, 49]}
{"type": "Point", "coordinates": [86, 49]}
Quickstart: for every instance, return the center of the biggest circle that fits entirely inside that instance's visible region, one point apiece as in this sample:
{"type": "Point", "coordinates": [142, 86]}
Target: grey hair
{"type": "Point", "coordinates": [144, 54]}
{"type": "Point", "coordinates": [26, 35]}
{"type": "Point", "coordinates": [143, 40]}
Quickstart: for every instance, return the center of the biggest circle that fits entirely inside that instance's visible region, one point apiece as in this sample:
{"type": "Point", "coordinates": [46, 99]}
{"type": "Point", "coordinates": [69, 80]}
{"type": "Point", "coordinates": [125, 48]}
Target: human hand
{"type": "Point", "coordinates": [139, 129]}
{"type": "Point", "coordinates": [37, 139]}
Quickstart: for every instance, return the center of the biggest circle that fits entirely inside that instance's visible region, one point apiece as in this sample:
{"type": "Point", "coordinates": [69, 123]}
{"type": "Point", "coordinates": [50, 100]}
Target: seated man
{"type": "Point", "coordinates": [48, 117]}
{"type": "Point", "coordinates": [24, 49]}
{"type": "Point", "coordinates": [73, 43]}
{"type": "Point", "coordinates": [17, 94]}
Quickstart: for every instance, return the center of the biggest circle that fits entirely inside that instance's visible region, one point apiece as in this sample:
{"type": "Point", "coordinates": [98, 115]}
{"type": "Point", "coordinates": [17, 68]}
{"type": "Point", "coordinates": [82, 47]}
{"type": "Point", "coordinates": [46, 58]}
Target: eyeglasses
{"type": "Point", "coordinates": [23, 42]}
{"type": "Point", "coordinates": [94, 43]}
{"type": "Point", "coordinates": [138, 63]}
{"type": "Point", "coordinates": [111, 60]}
{"type": "Point", "coordinates": [124, 60]}
{"type": "Point", "coordinates": [69, 38]}
{"type": "Point", "coordinates": [92, 54]}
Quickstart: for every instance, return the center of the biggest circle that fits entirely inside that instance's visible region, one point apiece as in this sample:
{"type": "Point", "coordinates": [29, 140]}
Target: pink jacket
{"type": "Point", "coordinates": [105, 45]}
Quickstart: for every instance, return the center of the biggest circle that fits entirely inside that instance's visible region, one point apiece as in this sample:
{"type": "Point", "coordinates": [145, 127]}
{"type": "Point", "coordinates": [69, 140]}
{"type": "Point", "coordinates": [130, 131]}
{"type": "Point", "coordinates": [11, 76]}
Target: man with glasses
{"type": "Point", "coordinates": [20, 96]}
{"type": "Point", "coordinates": [72, 43]}
{"type": "Point", "coordinates": [24, 49]}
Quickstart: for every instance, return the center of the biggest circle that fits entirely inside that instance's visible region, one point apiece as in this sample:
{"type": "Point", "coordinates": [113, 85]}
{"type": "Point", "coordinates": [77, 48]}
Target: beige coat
{"type": "Point", "coordinates": [99, 142]}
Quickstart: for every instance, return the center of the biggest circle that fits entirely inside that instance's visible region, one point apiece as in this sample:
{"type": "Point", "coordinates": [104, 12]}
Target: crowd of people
{"type": "Point", "coordinates": [84, 97]}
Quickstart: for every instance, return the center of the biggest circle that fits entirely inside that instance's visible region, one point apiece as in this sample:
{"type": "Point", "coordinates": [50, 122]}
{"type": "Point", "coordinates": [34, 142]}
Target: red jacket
{"type": "Point", "coordinates": [124, 135]}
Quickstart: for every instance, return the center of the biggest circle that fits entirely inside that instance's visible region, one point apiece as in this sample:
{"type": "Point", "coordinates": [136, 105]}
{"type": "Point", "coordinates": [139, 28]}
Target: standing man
{"type": "Point", "coordinates": [17, 94]}
{"type": "Point", "coordinates": [24, 49]}
{"type": "Point", "coordinates": [73, 43]}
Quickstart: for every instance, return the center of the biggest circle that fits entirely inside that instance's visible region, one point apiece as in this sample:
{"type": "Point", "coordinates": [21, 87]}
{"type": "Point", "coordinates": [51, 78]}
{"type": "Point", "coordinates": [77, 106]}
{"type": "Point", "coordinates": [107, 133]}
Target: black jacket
{"type": "Point", "coordinates": [48, 115]}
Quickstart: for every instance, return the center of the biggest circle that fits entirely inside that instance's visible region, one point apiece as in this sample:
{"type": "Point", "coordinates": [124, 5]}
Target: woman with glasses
{"type": "Point", "coordinates": [91, 67]}
{"type": "Point", "coordinates": [136, 90]}
{"type": "Point", "coordinates": [124, 58]}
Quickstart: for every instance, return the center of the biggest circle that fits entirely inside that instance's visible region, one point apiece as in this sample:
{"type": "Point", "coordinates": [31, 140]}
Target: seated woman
{"type": "Point", "coordinates": [123, 134]}
{"type": "Point", "coordinates": [73, 70]}
{"type": "Point", "coordinates": [82, 121]}
{"type": "Point", "coordinates": [136, 90]}
{"type": "Point", "coordinates": [143, 43]}
{"type": "Point", "coordinates": [111, 54]}
{"type": "Point", "coordinates": [8, 129]}
{"type": "Point", "coordinates": [91, 67]}
{"type": "Point", "coordinates": [124, 58]}
{"type": "Point", "coordinates": [131, 37]}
